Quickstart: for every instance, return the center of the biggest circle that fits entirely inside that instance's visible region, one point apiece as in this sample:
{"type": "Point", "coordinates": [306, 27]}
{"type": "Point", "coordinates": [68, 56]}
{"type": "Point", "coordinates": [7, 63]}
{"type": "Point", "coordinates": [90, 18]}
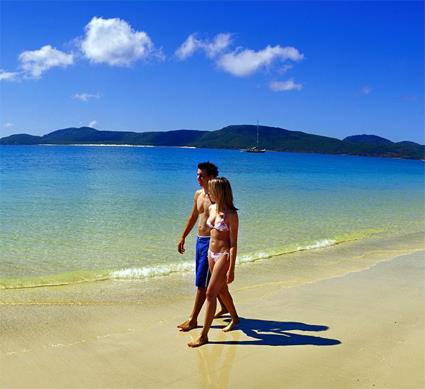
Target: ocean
{"type": "Point", "coordinates": [81, 214]}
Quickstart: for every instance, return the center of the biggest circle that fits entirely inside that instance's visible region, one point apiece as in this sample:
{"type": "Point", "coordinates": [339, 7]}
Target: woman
{"type": "Point", "coordinates": [223, 221]}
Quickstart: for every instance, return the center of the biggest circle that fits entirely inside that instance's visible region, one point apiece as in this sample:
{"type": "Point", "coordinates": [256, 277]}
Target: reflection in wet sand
{"type": "Point", "coordinates": [215, 363]}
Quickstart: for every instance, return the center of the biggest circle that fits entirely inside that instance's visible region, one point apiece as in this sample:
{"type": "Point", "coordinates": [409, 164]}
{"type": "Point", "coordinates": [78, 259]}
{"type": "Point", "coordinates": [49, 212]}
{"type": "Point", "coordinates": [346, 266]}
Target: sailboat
{"type": "Point", "coordinates": [255, 149]}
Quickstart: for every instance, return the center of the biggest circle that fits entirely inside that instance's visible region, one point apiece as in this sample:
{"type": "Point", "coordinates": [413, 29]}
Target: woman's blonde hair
{"type": "Point", "coordinates": [222, 191]}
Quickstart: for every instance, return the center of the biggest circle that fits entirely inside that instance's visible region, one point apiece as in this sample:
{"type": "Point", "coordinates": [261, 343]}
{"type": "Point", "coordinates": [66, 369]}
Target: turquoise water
{"type": "Point", "coordinates": [80, 213]}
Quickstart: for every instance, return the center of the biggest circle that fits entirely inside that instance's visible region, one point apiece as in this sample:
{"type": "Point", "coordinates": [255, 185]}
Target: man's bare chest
{"type": "Point", "coordinates": [203, 203]}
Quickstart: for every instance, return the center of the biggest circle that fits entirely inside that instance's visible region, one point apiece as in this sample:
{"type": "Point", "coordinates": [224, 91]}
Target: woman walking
{"type": "Point", "coordinates": [223, 221]}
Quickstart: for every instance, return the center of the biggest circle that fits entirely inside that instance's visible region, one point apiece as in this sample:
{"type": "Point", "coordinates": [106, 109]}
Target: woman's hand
{"type": "Point", "coordinates": [230, 276]}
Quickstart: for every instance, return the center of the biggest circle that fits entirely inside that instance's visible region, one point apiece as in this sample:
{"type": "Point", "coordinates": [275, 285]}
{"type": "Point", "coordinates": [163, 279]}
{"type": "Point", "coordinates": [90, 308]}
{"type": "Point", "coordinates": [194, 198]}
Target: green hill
{"type": "Point", "coordinates": [85, 135]}
{"type": "Point", "coordinates": [271, 138]}
{"type": "Point", "coordinates": [367, 139]}
{"type": "Point", "coordinates": [231, 137]}
{"type": "Point", "coordinates": [20, 139]}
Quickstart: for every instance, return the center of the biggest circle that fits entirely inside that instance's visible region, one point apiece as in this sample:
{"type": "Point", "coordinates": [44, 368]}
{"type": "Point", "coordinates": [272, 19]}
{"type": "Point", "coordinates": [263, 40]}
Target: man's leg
{"type": "Point", "coordinates": [202, 277]}
{"type": "Point", "coordinates": [192, 322]}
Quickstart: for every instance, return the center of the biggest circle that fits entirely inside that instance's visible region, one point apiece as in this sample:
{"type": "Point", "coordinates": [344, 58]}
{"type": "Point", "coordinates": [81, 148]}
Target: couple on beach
{"type": "Point", "coordinates": [216, 248]}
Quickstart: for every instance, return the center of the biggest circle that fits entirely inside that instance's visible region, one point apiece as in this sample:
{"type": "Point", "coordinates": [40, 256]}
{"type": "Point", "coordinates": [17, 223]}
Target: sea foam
{"type": "Point", "coordinates": [161, 270]}
{"type": "Point", "coordinates": [152, 271]}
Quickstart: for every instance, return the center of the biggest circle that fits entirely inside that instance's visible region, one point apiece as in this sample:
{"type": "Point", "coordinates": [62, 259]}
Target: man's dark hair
{"type": "Point", "coordinates": [209, 168]}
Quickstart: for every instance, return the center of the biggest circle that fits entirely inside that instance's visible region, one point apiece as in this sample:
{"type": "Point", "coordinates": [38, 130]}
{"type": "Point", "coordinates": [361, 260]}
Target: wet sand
{"type": "Point", "coordinates": [360, 327]}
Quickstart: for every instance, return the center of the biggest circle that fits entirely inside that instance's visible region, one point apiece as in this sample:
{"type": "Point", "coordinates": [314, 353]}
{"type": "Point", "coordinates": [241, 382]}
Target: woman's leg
{"type": "Point", "coordinates": [217, 281]}
{"type": "Point", "coordinates": [228, 302]}
{"type": "Point", "coordinates": [223, 310]}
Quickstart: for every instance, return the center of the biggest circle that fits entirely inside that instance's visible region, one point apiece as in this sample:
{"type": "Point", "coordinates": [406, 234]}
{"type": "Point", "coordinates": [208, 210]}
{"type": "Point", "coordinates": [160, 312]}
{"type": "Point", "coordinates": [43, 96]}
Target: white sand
{"type": "Point", "coordinates": [359, 328]}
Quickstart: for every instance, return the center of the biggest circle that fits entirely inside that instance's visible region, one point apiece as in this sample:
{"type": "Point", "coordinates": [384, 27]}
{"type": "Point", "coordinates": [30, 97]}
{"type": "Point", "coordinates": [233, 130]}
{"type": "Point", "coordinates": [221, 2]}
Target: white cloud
{"type": "Point", "coordinates": [285, 68]}
{"type": "Point", "coordinates": [35, 63]}
{"type": "Point", "coordinates": [366, 90]}
{"type": "Point", "coordinates": [93, 123]}
{"type": "Point", "coordinates": [239, 62]}
{"type": "Point", "coordinates": [210, 48]}
{"type": "Point", "coordinates": [220, 43]}
{"type": "Point", "coordinates": [110, 41]}
{"type": "Point", "coordinates": [8, 125]}
{"type": "Point", "coordinates": [8, 76]}
{"type": "Point", "coordinates": [279, 86]}
{"type": "Point", "coordinates": [86, 96]}
{"type": "Point", "coordinates": [243, 63]}
{"type": "Point", "coordinates": [188, 47]}
{"type": "Point", "coordinates": [114, 42]}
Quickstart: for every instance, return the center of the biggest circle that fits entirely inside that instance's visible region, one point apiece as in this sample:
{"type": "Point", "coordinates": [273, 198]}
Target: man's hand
{"type": "Point", "coordinates": [180, 246]}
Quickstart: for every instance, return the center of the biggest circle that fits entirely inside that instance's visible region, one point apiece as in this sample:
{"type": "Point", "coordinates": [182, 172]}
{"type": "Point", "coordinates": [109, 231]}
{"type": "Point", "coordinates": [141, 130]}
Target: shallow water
{"type": "Point", "coordinates": [73, 214]}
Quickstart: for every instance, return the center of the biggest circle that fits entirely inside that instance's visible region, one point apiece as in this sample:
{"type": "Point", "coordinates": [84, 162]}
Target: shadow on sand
{"type": "Point", "coordinates": [276, 333]}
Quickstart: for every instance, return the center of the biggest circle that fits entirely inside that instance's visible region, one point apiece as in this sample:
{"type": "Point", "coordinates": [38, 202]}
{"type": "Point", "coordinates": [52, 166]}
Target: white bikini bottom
{"type": "Point", "coordinates": [216, 256]}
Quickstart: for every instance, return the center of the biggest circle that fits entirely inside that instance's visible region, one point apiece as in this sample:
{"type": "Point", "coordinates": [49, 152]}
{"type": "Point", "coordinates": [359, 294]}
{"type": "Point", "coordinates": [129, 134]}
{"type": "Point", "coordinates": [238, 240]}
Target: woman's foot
{"type": "Point", "coordinates": [221, 313]}
{"type": "Point", "coordinates": [188, 325]}
{"type": "Point", "coordinates": [198, 342]}
{"type": "Point", "coordinates": [231, 326]}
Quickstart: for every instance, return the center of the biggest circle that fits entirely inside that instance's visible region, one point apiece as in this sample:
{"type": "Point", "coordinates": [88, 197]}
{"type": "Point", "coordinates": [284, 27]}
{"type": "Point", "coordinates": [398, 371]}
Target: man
{"type": "Point", "coordinates": [202, 202]}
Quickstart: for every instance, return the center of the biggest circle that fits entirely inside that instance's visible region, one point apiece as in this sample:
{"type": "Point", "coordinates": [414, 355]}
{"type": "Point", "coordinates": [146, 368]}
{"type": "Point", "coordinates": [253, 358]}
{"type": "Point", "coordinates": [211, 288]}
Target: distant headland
{"type": "Point", "coordinates": [230, 137]}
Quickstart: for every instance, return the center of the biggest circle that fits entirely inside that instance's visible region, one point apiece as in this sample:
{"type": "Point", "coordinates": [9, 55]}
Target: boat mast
{"type": "Point", "coordinates": [257, 134]}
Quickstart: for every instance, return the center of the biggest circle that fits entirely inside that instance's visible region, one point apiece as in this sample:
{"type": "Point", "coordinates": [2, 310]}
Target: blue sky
{"type": "Point", "coordinates": [329, 68]}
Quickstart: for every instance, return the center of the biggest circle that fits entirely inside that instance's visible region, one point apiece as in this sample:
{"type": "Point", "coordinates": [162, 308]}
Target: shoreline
{"type": "Point", "coordinates": [215, 148]}
{"type": "Point", "coordinates": [83, 276]}
{"type": "Point", "coordinates": [353, 330]}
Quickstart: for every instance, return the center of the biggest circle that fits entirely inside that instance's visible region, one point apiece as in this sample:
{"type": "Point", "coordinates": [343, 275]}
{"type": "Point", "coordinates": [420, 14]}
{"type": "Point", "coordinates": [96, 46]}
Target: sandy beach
{"type": "Point", "coordinates": [152, 149]}
{"type": "Point", "coordinates": [357, 325]}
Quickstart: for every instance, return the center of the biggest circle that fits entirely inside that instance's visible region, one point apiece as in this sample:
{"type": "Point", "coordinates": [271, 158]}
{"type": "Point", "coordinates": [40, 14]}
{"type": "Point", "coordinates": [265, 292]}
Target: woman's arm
{"type": "Point", "coordinates": [233, 227]}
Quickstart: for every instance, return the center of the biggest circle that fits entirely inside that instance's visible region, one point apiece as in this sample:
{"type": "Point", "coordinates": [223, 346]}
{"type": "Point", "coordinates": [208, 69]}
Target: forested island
{"type": "Point", "coordinates": [230, 137]}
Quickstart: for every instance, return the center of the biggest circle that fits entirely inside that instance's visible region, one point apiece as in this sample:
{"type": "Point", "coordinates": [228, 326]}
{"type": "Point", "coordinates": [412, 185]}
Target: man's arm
{"type": "Point", "coordinates": [189, 224]}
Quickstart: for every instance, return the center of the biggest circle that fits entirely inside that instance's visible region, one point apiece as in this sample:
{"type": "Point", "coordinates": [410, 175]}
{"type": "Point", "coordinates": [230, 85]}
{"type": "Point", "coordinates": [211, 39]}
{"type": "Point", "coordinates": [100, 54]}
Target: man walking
{"type": "Point", "coordinates": [202, 202]}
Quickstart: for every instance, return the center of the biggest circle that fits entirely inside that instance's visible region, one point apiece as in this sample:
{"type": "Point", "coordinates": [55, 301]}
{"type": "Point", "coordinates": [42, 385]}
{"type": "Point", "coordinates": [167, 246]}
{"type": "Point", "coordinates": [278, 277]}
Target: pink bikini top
{"type": "Point", "coordinates": [219, 224]}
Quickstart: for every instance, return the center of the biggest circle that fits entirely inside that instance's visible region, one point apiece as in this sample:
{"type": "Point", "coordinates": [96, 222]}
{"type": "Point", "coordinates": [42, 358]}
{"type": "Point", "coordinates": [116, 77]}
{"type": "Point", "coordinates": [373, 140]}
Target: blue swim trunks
{"type": "Point", "coordinates": [202, 271]}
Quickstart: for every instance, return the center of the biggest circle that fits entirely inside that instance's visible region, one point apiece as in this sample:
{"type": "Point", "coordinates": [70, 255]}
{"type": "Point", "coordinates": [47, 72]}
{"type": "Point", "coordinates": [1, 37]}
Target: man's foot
{"type": "Point", "coordinates": [188, 325]}
{"type": "Point", "coordinates": [221, 313]}
{"type": "Point", "coordinates": [231, 326]}
{"type": "Point", "coordinates": [198, 342]}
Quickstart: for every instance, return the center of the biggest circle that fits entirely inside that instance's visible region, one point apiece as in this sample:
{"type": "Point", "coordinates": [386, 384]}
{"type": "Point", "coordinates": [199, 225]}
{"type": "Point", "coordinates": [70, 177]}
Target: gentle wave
{"type": "Point", "coordinates": [286, 250]}
{"type": "Point", "coordinates": [61, 279]}
{"type": "Point", "coordinates": [319, 244]}
{"type": "Point", "coordinates": [152, 271]}
{"type": "Point", "coordinates": [146, 272]}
